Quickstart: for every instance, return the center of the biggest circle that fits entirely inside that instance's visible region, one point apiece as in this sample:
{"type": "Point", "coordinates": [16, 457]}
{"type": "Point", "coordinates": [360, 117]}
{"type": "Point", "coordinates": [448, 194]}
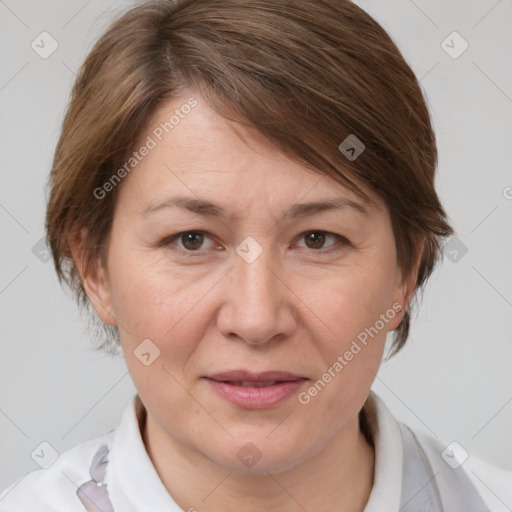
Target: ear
{"type": "Point", "coordinates": [94, 278]}
{"type": "Point", "coordinates": [406, 285]}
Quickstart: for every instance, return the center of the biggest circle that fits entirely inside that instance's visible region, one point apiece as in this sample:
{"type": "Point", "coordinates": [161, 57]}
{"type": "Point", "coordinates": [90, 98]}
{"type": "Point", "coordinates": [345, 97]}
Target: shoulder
{"type": "Point", "coordinates": [450, 462]}
{"type": "Point", "coordinates": [42, 489]}
{"type": "Point", "coordinates": [494, 484]}
{"type": "Point", "coordinates": [491, 481]}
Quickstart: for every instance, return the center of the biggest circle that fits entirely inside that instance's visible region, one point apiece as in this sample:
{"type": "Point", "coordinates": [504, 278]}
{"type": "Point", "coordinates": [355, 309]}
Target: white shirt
{"type": "Point", "coordinates": [134, 486]}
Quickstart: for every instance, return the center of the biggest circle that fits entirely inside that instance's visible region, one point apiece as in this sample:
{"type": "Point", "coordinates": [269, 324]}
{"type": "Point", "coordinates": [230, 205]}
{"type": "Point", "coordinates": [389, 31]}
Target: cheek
{"type": "Point", "coordinates": [350, 350]}
{"type": "Point", "coordinates": [352, 312]}
{"type": "Point", "coordinates": [151, 301]}
{"type": "Point", "coordinates": [352, 299]}
{"type": "Point", "coordinates": [165, 308]}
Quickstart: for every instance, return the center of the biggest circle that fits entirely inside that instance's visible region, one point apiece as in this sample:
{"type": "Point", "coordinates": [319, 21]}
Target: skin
{"type": "Point", "coordinates": [296, 308]}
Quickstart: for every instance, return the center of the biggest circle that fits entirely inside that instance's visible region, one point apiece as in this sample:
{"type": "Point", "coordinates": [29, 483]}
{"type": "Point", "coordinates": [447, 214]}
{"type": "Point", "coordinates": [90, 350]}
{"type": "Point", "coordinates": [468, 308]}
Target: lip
{"type": "Point", "coordinates": [250, 397]}
{"type": "Point", "coordinates": [245, 375]}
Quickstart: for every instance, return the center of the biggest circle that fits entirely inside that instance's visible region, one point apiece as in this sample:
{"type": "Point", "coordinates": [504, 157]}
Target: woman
{"type": "Point", "coordinates": [244, 193]}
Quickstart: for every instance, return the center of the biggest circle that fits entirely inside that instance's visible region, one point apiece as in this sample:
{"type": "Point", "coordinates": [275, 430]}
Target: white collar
{"type": "Point", "coordinates": [387, 485]}
{"type": "Point", "coordinates": [133, 482]}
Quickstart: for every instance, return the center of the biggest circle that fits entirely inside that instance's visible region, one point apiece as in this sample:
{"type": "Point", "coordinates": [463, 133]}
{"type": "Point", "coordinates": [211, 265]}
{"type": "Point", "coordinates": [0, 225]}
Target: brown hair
{"type": "Point", "coordinates": [305, 73]}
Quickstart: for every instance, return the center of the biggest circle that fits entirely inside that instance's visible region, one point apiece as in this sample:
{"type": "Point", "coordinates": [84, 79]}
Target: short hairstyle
{"type": "Point", "coordinates": [306, 74]}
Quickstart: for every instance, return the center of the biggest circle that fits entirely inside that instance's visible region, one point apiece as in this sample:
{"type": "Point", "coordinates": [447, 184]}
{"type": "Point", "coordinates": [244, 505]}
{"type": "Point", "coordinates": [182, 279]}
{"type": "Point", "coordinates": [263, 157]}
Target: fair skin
{"type": "Point", "coordinates": [296, 308]}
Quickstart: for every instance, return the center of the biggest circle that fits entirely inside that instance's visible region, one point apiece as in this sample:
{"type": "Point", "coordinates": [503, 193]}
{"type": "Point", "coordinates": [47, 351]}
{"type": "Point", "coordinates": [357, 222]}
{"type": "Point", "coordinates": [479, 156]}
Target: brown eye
{"type": "Point", "coordinates": [192, 241]}
{"type": "Point", "coordinates": [315, 240]}
{"type": "Point", "coordinates": [188, 242]}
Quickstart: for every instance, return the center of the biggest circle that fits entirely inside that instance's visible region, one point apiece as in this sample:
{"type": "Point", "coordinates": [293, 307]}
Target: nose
{"type": "Point", "coordinates": [257, 302]}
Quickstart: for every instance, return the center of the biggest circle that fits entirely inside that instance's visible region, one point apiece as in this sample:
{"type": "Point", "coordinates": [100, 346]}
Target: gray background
{"type": "Point", "coordinates": [453, 381]}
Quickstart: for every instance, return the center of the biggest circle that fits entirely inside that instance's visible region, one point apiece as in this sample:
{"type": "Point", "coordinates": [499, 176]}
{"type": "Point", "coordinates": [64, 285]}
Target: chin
{"type": "Point", "coordinates": [256, 458]}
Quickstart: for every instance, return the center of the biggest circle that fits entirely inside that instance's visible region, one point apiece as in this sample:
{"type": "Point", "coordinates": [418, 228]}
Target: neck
{"type": "Point", "coordinates": [340, 477]}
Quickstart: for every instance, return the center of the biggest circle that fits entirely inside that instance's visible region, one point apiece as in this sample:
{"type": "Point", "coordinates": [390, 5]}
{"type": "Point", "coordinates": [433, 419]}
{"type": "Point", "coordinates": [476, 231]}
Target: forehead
{"type": "Point", "coordinates": [202, 155]}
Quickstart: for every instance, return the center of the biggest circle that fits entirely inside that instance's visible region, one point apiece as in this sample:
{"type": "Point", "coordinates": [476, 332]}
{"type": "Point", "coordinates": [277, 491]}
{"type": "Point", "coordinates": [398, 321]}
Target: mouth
{"type": "Point", "coordinates": [247, 384]}
{"type": "Point", "coordinates": [253, 384]}
{"type": "Point", "coordinates": [256, 391]}
{"type": "Point", "coordinates": [247, 378]}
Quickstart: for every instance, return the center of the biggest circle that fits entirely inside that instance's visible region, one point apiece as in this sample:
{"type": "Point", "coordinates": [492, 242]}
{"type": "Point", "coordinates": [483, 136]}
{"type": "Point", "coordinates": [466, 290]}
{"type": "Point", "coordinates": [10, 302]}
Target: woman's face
{"type": "Point", "coordinates": [256, 281]}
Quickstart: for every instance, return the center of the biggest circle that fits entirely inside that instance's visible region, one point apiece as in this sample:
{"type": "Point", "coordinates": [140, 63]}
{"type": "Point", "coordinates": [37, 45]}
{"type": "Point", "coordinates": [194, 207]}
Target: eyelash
{"type": "Point", "coordinates": [343, 242]}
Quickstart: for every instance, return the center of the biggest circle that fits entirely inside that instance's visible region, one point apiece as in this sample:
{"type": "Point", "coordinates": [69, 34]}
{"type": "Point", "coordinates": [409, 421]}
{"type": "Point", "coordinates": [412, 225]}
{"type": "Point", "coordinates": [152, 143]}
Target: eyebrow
{"type": "Point", "coordinates": [208, 208]}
